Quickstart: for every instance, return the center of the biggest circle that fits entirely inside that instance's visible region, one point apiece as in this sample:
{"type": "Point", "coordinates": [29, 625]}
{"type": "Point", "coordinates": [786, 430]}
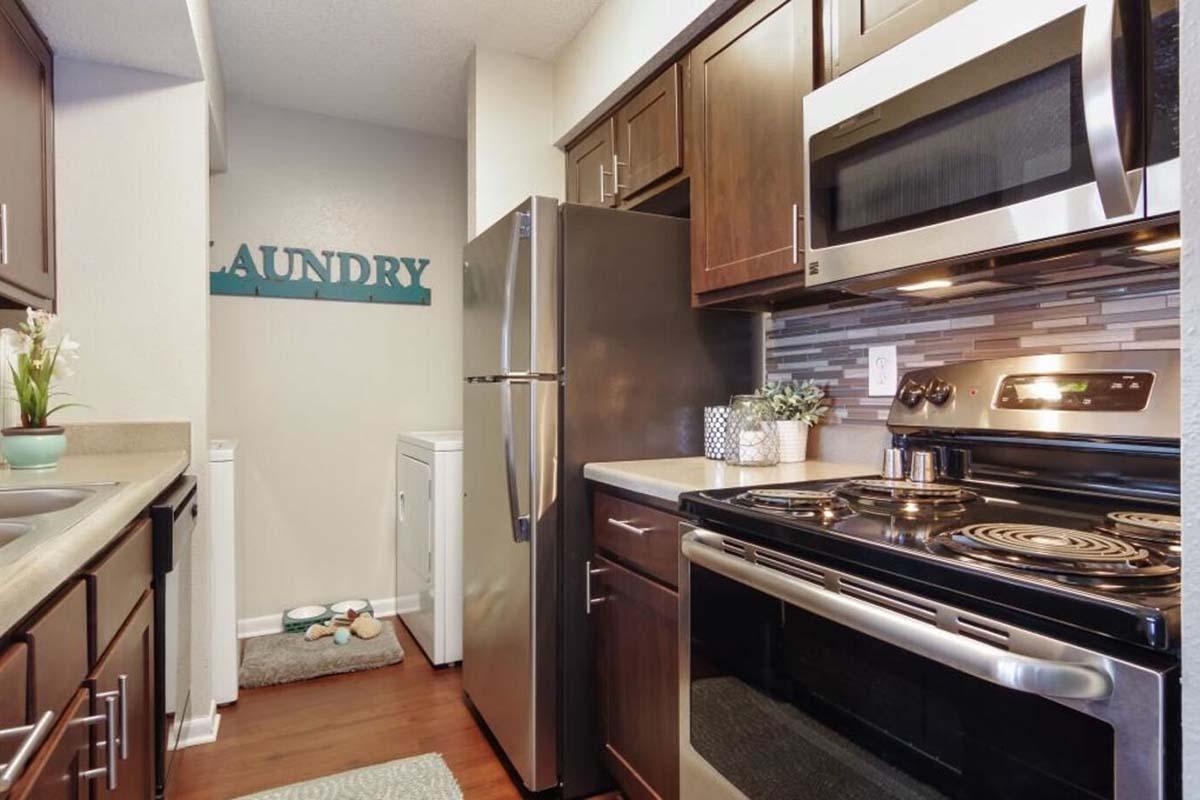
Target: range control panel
{"type": "Point", "coordinates": [1131, 394]}
{"type": "Point", "coordinates": [1094, 391]}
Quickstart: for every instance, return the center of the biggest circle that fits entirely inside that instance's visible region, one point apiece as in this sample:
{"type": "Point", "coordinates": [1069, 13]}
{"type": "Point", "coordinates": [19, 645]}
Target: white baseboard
{"type": "Point", "coordinates": [200, 730]}
{"type": "Point", "coordinates": [273, 623]}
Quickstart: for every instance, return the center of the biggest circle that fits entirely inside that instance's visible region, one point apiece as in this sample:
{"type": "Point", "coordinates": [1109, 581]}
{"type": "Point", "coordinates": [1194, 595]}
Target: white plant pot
{"type": "Point", "coordinates": [793, 440]}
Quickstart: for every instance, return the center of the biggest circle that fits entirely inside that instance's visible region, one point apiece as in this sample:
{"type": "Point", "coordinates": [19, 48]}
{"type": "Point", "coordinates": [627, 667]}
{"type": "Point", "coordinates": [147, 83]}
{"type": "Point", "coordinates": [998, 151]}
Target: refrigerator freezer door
{"type": "Point", "coordinates": [509, 575]}
{"type": "Point", "coordinates": [510, 294]}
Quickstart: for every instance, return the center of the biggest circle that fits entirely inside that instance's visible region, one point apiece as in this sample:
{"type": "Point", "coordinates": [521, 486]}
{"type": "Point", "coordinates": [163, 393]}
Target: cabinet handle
{"type": "Point", "coordinates": [400, 506]}
{"type": "Point", "coordinates": [603, 193]}
{"type": "Point", "coordinates": [109, 720]}
{"type": "Point", "coordinates": [121, 693]}
{"type": "Point", "coordinates": [616, 173]}
{"type": "Point", "coordinates": [628, 526]}
{"type": "Point", "coordinates": [33, 735]}
{"type": "Point", "coordinates": [795, 233]}
{"type": "Point", "coordinates": [3, 234]}
{"type": "Point", "coordinates": [588, 573]}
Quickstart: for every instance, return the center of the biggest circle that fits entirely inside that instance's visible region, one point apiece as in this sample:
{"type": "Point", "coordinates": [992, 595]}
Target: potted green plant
{"type": "Point", "coordinates": [35, 361]}
{"type": "Point", "coordinates": [797, 406]}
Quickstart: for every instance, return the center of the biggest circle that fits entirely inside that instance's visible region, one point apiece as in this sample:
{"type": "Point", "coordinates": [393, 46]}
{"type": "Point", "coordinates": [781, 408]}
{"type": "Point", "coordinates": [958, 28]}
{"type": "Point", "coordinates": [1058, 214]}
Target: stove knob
{"type": "Point", "coordinates": [939, 391]}
{"type": "Point", "coordinates": [911, 393]}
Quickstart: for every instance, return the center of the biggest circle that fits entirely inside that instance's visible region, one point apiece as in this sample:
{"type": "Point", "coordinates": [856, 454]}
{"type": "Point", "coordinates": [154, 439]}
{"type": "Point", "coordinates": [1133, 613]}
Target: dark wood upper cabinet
{"type": "Point", "coordinates": [748, 78]}
{"type": "Point", "coordinates": [638, 152]}
{"type": "Point", "coordinates": [859, 30]}
{"type": "Point", "coordinates": [650, 134]}
{"type": "Point", "coordinates": [637, 632]}
{"type": "Point", "coordinates": [26, 162]}
{"type": "Point", "coordinates": [590, 163]}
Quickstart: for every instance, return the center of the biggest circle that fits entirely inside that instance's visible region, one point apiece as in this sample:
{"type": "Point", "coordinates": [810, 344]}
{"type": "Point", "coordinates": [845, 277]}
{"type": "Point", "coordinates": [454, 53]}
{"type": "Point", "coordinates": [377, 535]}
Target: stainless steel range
{"type": "Point", "coordinates": [994, 615]}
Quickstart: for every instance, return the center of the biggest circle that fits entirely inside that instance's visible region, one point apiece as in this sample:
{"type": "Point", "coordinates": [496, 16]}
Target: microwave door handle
{"type": "Point", "coordinates": [1117, 197]}
{"type": "Point", "coordinates": [1041, 677]}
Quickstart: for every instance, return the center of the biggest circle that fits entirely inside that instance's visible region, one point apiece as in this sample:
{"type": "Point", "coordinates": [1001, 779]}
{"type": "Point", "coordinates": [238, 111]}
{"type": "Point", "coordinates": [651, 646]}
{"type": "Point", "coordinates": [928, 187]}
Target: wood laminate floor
{"type": "Point", "coordinates": [283, 734]}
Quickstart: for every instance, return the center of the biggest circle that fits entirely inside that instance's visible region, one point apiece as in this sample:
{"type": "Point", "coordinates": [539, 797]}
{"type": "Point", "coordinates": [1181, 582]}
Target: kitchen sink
{"type": "Point", "coordinates": [31, 502]}
{"type": "Point", "coordinates": [13, 531]}
{"type": "Point", "coordinates": [30, 515]}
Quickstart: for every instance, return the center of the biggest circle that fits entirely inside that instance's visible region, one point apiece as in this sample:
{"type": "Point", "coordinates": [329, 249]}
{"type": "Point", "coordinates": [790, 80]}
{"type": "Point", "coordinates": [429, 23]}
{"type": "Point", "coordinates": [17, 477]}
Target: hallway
{"type": "Point", "coordinates": [285, 734]}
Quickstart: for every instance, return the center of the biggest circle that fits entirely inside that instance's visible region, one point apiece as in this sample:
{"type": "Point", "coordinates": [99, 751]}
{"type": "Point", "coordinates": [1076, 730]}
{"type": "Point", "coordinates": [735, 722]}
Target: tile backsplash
{"type": "Point", "coordinates": [829, 344]}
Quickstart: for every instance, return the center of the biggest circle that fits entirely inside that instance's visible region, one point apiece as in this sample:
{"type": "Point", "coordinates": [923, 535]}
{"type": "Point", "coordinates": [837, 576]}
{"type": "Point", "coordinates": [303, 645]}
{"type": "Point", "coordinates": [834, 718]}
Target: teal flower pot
{"type": "Point", "coordinates": [33, 448]}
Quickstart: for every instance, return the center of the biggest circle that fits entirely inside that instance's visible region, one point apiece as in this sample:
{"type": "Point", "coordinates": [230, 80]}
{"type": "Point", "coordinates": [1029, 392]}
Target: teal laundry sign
{"type": "Point", "coordinates": [300, 273]}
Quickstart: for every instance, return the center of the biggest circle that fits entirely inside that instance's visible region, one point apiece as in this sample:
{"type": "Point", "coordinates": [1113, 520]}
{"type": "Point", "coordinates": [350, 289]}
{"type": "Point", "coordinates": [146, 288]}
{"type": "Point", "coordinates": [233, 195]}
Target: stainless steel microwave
{"type": "Point", "coordinates": [1002, 126]}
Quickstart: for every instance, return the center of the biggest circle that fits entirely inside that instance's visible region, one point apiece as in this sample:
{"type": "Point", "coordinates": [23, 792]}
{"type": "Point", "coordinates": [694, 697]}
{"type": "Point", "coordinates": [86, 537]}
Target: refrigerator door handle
{"type": "Point", "coordinates": [520, 522]}
{"type": "Point", "coordinates": [520, 229]}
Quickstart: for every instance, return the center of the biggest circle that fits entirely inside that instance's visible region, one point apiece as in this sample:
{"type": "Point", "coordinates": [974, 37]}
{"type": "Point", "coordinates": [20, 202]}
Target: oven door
{"type": "Point", "coordinates": [990, 130]}
{"type": "Point", "coordinates": [799, 681]}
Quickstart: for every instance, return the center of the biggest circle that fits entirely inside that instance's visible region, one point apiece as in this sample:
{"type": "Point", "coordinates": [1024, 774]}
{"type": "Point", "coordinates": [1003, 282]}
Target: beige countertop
{"type": "Point", "coordinates": [667, 478]}
{"type": "Point", "coordinates": [28, 574]}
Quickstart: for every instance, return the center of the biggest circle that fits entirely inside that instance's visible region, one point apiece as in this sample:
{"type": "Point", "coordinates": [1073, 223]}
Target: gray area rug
{"type": "Point", "coordinates": [286, 657]}
{"type": "Point", "coordinates": [418, 778]}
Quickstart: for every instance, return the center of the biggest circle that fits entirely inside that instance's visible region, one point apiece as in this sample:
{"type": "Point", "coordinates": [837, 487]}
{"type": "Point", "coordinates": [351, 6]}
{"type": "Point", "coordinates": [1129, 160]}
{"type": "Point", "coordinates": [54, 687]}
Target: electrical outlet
{"type": "Point", "coordinates": [881, 371]}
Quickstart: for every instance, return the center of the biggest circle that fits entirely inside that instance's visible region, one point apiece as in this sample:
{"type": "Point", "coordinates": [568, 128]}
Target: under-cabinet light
{"type": "Point", "coordinates": [1160, 246]}
{"type": "Point", "coordinates": [940, 283]}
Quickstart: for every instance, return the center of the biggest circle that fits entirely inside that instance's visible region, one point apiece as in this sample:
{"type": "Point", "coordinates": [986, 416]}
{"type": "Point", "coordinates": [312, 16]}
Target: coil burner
{"type": "Point", "coordinates": [1146, 526]}
{"type": "Point", "coordinates": [906, 498]}
{"type": "Point", "coordinates": [805, 503]}
{"type": "Point", "coordinates": [1070, 555]}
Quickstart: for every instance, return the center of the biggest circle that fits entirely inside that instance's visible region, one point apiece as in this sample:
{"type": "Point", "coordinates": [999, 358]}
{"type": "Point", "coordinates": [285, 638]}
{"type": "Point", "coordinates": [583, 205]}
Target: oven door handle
{"type": "Point", "coordinates": [1041, 677]}
{"type": "Point", "coordinates": [1117, 197]}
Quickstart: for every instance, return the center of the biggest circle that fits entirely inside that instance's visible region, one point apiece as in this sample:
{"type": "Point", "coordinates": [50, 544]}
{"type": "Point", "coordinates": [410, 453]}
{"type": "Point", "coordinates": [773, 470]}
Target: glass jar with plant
{"type": "Point", "coordinates": [798, 406]}
{"type": "Point", "coordinates": [36, 357]}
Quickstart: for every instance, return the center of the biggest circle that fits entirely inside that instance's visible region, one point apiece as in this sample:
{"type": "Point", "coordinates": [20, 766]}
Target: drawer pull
{"type": "Point", "coordinates": [587, 577]}
{"type": "Point", "coordinates": [34, 735]}
{"type": "Point", "coordinates": [121, 694]}
{"type": "Point", "coordinates": [627, 525]}
{"type": "Point", "coordinates": [109, 720]}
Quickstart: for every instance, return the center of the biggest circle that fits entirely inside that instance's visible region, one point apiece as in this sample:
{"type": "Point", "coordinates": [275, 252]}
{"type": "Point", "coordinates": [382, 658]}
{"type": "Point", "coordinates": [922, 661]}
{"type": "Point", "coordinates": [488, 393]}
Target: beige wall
{"type": "Point", "coordinates": [623, 43]}
{"type": "Point", "coordinates": [510, 132]}
{"type": "Point", "coordinates": [131, 162]}
{"type": "Point", "coordinates": [317, 390]}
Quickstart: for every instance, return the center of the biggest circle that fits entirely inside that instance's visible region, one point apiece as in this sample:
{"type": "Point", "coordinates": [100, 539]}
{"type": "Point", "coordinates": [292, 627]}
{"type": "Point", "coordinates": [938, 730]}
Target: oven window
{"type": "Point", "coordinates": [1001, 129]}
{"type": "Point", "coordinates": [785, 704]}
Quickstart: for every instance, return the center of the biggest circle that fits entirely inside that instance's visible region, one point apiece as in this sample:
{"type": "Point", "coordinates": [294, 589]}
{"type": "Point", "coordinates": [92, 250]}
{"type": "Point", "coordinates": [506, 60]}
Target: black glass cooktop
{"type": "Point", "coordinates": [1096, 565]}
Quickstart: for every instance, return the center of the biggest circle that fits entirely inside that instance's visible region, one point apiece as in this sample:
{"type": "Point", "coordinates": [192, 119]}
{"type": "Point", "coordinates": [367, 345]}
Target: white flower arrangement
{"type": "Point", "coordinates": [35, 361]}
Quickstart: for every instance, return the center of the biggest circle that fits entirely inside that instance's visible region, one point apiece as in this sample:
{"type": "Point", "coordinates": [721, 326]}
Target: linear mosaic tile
{"type": "Point", "coordinates": [829, 343]}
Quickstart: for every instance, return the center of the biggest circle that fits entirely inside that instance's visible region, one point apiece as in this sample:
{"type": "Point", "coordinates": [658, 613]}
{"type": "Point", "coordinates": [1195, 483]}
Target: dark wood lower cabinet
{"type": "Point", "coordinates": [130, 656]}
{"type": "Point", "coordinates": [636, 627]}
{"type": "Point", "coordinates": [45, 669]}
{"type": "Point", "coordinates": [57, 771]}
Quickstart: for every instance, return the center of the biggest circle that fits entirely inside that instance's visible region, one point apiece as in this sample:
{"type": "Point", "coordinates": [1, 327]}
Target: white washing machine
{"type": "Point", "coordinates": [429, 540]}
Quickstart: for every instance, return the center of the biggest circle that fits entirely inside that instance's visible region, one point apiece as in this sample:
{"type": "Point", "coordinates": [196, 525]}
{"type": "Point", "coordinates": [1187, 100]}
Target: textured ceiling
{"type": "Point", "coordinates": [394, 62]}
{"type": "Point", "coordinates": [154, 35]}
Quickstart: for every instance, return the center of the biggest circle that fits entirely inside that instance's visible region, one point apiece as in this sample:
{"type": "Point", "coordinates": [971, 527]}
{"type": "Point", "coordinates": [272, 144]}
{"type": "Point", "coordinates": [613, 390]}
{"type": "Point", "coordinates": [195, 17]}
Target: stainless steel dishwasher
{"type": "Point", "coordinates": [173, 516]}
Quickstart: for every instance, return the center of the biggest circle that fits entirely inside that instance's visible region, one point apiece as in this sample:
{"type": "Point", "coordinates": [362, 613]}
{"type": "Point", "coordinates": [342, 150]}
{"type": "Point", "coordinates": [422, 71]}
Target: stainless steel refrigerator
{"type": "Point", "coordinates": [579, 345]}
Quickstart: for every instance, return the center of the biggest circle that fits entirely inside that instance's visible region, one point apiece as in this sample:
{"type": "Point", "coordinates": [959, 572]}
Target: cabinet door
{"type": "Point", "coordinates": [131, 655]}
{"type": "Point", "coordinates": [650, 134]}
{"type": "Point", "coordinates": [14, 680]}
{"type": "Point", "coordinates": [26, 160]}
{"type": "Point", "coordinates": [590, 164]}
{"type": "Point", "coordinates": [56, 772]}
{"type": "Point", "coordinates": [638, 680]}
{"type": "Point", "coordinates": [747, 81]}
{"type": "Point", "coordinates": [862, 29]}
